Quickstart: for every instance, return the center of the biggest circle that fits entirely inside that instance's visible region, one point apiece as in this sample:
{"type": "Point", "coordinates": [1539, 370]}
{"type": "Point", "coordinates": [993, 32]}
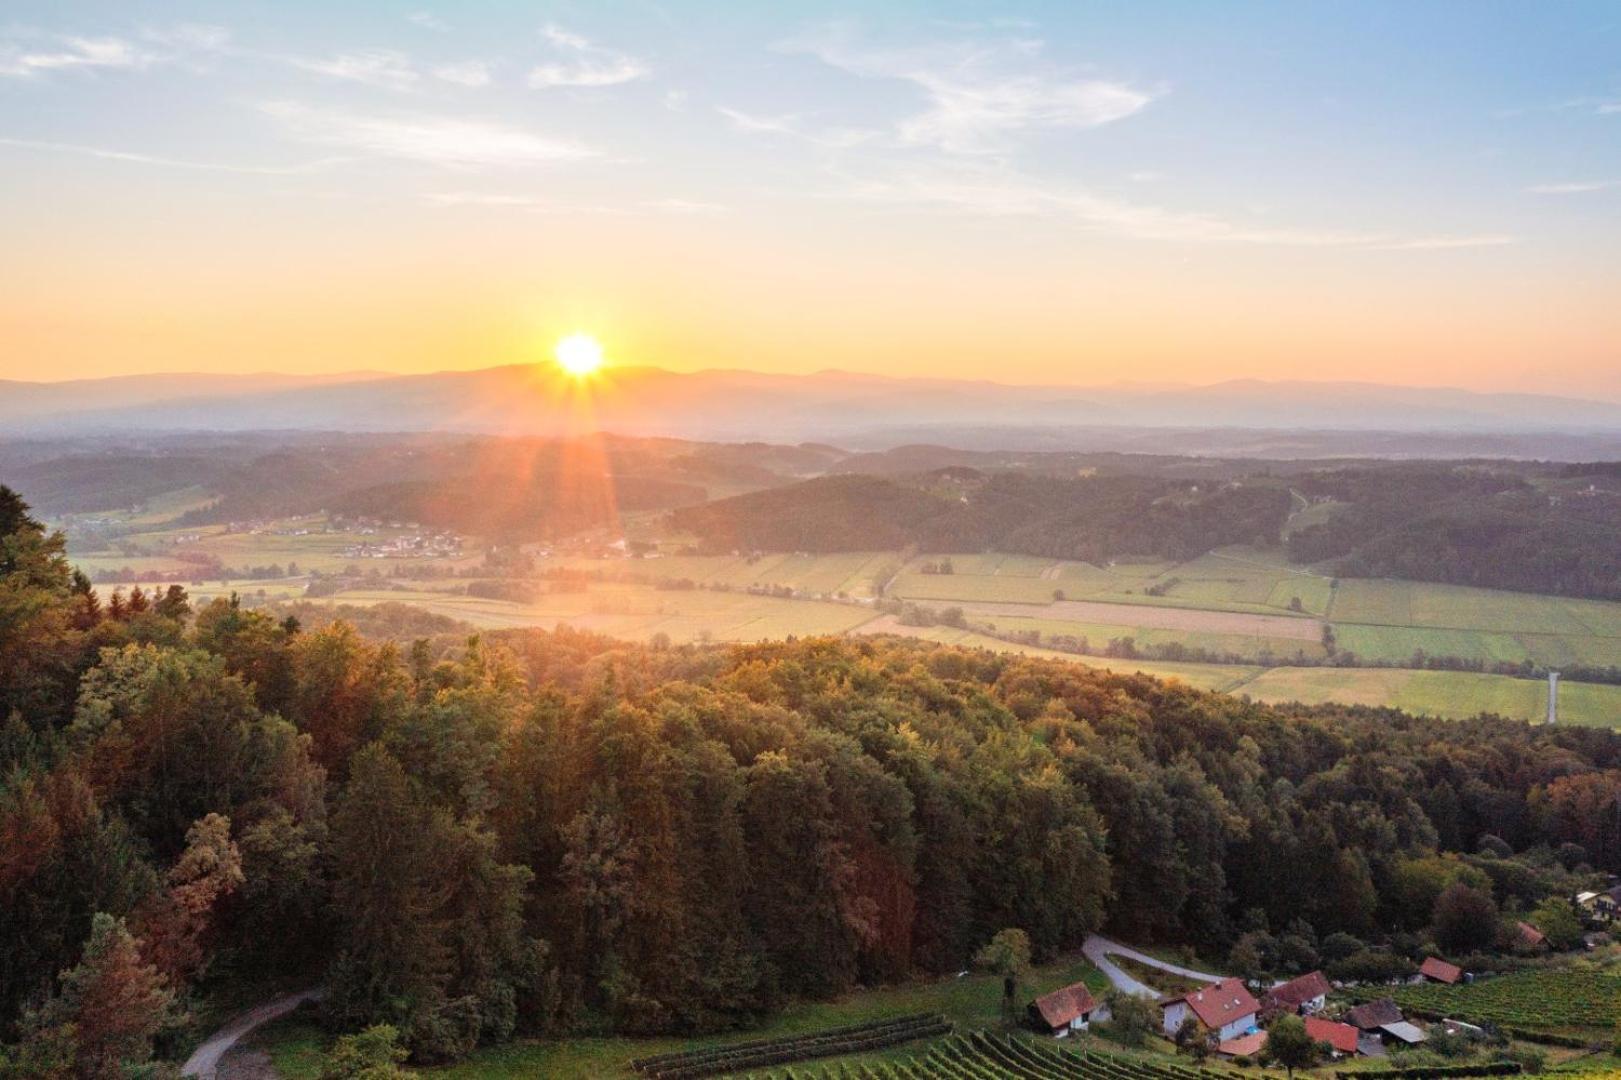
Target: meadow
{"type": "Point", "coordinates": [1241, 603]}
{"type": "Point", "coordinates": [972, 1002]}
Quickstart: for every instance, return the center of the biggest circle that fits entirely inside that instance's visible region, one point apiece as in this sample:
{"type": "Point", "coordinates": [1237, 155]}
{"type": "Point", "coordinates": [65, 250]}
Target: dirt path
{"type": "Point", "coordinates": [204, 1061]}
{"type": "Point", "coordinates": [1099, 949]}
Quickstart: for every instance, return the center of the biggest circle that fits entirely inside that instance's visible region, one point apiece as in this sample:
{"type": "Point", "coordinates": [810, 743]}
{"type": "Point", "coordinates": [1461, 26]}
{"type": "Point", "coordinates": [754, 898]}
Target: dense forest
{"type": "Point", "coordinates": [1469, 525]}
{"type": "Point", "coordinates": [1094, 518]}
{"type": "Point", "coordinates": [552, 832]}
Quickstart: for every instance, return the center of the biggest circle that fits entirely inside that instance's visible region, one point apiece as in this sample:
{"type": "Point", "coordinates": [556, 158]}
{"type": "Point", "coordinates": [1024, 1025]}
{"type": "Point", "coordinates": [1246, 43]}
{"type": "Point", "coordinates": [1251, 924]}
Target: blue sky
{"type": "Point", "coordinates": [1052, 192]}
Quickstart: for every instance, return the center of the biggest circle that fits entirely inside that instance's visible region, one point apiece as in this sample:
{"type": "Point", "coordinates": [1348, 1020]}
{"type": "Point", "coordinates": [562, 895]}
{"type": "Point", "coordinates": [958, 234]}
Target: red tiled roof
{"type": "Point", "coordinates": [1530, 934]}
{"type": "Point", "coordinates": [1245, 1045]}
{"type": "Point", "coordinates": [1219, 1004]}
{"type": "Point", "coordinates": [1439, 970]}
{"type": "Point", "coordinates": [1296, 992]}
{"type": "Point", "coordinates": [1341, 1037]}
{"type": "Point", "coordinates": [1062, 1006]}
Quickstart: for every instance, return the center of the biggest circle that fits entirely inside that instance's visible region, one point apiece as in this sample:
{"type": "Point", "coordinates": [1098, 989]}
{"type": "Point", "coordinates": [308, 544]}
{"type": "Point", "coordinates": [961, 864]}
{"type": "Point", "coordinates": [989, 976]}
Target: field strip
{"type": "Point", "coordinates": [1157, 617]}
{"type": "Point", "coordinates": [1274, 567]}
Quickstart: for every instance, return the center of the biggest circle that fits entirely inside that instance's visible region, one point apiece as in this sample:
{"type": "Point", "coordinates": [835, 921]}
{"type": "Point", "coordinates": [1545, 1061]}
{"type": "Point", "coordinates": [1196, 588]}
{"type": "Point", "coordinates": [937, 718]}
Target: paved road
{"type": "Point", "coordinates": [1099, 949]}
{"type": "Point", "coordinates": [206, 1058]}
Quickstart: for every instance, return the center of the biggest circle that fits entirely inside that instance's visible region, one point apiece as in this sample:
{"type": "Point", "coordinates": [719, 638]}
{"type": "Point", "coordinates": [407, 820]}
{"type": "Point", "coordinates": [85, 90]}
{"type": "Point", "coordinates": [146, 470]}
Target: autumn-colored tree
{"type": "Point", "coordinates": [108, 1008]}
{"type": "Point", "coordinates": [176, 922]}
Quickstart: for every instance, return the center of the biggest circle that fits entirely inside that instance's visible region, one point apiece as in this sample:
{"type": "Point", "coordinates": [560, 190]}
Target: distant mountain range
{"type": "Point", "coordinates": [863, 410]}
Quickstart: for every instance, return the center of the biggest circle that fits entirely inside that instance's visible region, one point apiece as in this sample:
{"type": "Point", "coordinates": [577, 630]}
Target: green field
{"type": "Point", "coordinates": [971, 1002]}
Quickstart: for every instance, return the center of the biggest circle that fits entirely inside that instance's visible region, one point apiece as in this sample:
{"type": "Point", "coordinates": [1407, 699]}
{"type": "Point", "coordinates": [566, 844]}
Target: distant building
{"type": "Point", "coordinates": [1226, 1008]}
{"type": "Point", "coordinates": [1248, 1046]}
{"type": "Point", "coordinates": [1434, 969]}
{"type": "Point", "coordinates": [1402, 1031]}
{"type": "Point", "coordinates": [1071, 1009]}
{"type": "Point", "coordinates": [1302, 996]}
{"type": "Point", "coordinates": [1341, 1038]}
{"type": "Point", "coordinates": [1373, 1015]}
{"type": "Point", "coordinates": [1530, 936]}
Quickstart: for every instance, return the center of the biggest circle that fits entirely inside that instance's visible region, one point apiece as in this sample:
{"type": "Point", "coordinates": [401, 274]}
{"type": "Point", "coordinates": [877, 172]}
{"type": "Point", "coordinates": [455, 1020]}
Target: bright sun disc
{"type": "Point", "coordinates": [579, 354]}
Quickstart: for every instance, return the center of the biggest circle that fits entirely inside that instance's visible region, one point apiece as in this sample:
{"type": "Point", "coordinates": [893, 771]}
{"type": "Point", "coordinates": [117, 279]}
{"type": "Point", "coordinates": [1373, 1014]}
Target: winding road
{"type": "Point", "coordinates": [1098, 950]}
{"type": "Point", "coordinates": [205, 1060]}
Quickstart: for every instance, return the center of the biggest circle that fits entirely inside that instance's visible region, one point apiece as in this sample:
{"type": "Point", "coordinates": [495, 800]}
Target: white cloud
{"type": "Point", "coordinates": [64, 52]}
{"type": "Point", "coordinates": [583, 63]}
{"type": "Point", "coordinates": [979, 93]}
{"type": "Point", "coordinates": [1000, 193]}
{"type": "Point", "coordinates": [383, 68]}
{"type": "Point", "coordinates": [675, 100]}
{"type": "Point", "coordinates": [791, 125]}
{"type": "Point", "coordinates": [1572, 187]}
{"type": "Point", "coordinates": [171, 163]}
{"type": "Point", "coordinates": [428, 21]}
{"type": "Point", "coordinates": [466, 73]}
{"type": "Point", "coordinates": [436, 140]}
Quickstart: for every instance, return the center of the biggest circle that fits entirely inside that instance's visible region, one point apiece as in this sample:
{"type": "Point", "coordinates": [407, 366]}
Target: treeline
{"type": "Point", "coordinates": [1467, 525]}
{"type": "Point", "coordinates": [552, 832]}
{"type": "Point", "coordinates": [1094, 518]}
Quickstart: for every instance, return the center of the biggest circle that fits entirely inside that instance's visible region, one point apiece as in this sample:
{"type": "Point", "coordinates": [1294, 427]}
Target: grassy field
{"type": "Point", "coordinates": [971, 1002]}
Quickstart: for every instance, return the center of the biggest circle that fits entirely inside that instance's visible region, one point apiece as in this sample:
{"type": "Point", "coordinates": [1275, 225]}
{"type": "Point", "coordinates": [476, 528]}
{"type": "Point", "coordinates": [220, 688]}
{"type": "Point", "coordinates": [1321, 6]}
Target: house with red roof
{"type": "Point", "coordinates": [1226, 1008]}
{"type": "Point", "coordinates": [1341, 1038]}
{"type": "Point", "coordinates": [1530, 936]}
{"type": "Point", "coordinates": [1302, 996]}
{"type": "Point", "coordinates": [1434, 969]}
{"type": "Point", "coordinates": [1071, 1009]}
{"type": "Point", "coordinates": [1248, 1046]}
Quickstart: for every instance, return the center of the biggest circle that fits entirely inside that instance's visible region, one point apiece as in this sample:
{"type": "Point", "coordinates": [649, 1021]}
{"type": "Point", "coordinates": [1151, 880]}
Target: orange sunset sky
{"type": "Point", "coordinates": [1425, 195]}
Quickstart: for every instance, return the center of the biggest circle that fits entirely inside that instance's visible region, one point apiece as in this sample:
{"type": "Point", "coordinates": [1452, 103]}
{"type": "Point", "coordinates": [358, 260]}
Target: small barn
{"type": "Point", "coordinates": [1374, 1015]}
{"type": "Point", "coordinates": [1071, 1009]}
{"type": "Point", "coordinates": [1436, 970]}
{"type": "Point", "coordinates": [1341, 1038]}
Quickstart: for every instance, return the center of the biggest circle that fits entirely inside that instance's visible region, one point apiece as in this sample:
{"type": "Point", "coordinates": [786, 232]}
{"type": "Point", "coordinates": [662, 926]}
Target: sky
{"type": "Point", "coordinates": [1063, 193]}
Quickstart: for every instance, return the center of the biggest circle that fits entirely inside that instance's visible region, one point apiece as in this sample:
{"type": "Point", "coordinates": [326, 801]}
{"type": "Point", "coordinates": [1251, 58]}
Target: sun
{"type": "Point", "coordinates": [579, 354]}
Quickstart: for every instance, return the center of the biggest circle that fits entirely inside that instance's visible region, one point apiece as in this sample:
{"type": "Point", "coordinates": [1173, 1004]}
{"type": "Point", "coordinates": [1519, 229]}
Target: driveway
{"type": "Point", "coordinates": [205, 1060]}
{"type": "Point", "coordinates": [1098, 949]}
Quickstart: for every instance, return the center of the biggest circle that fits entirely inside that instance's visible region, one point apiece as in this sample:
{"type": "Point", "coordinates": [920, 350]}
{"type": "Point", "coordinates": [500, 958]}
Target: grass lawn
{"type": "Point", "coordinates": [974, 1001]}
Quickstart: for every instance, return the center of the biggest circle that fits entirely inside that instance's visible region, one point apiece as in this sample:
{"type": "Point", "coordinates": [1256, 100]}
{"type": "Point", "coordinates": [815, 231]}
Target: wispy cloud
{"type": "Point", "coordinates": [436, 140]}
{"type": "Point", "coordinates": [1572, 187]}
{"type": "Point", "coordinates": [979, 93]}
{"type": "Point", "coordinates": [539, 205]}
{"type": "Point", "coordinates": [793, 126]}
{"type": "Point", "coordinates": [383, 68]}
{"type": "Point", "coordinates": [1002, 193]}
{"type": "Point", "coordinates": [583, 63]}
{"type": "Point", "coordinates": [428, 21]}
{"type": "Point", "coordinates": [465, 73]}
{"type": "Point", "coordinates": [108, 154]}
{"type": "Point", "coordinates": [56, 52]}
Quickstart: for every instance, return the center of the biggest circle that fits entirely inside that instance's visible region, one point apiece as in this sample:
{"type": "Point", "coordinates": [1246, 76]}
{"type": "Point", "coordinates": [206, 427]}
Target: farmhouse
{"type": "Point", "coordinates": [1434, 969]}
{"type": "Point", "coordinates": [1226, 1008]}
{"type": "Point", "coordinates": [1341, 1038]}
{"type": "Point", "coordinates": [1303, 996]}
{"type": "Point", "coordinates": [1600, 905]}
{"type": "Point", "coordinates": [1071, 1009]}
{"type": "Point", "coordinates": [1244, 1046]}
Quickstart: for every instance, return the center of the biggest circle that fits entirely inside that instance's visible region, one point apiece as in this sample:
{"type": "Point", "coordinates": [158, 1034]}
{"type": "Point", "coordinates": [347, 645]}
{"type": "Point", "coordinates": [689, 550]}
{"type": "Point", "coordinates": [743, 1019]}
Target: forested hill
{"type": "Point", "coordinates": [1094, 518]}
{"type": "Point", "coordinates": [540, 833]}
{"type": "Point", "coordinates": [1550, 530]}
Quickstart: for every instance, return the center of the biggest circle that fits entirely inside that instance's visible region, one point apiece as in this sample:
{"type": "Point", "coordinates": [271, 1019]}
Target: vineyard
{"type": "Point", "coordinates": [765, 1053]}
{"type": "Point", "coordinates": [983, 1056]}
{"type": "Point", "coordinates": [1568, 999]}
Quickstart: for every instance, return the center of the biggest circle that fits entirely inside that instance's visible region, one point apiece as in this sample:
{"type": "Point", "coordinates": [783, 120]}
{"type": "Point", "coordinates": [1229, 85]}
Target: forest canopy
{"type": "Point", "coordinates": [532, 832]}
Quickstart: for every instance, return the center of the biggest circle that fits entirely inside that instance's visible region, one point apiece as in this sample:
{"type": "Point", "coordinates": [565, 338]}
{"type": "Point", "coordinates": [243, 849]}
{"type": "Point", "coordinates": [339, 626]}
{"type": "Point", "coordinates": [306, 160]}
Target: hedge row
{"type": "Point", "coordinates": [1422, 1072]}
{"type": "Point", "coordinates": [765, 1053]}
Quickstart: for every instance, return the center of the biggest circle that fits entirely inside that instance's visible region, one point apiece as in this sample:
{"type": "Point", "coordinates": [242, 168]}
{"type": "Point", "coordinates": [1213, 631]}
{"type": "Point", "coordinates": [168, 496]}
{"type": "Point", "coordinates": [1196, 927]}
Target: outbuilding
{"type": "Point", "coordinates": [1302, 996]}
{"type": "Point", "coordinates": [1071, 1009]}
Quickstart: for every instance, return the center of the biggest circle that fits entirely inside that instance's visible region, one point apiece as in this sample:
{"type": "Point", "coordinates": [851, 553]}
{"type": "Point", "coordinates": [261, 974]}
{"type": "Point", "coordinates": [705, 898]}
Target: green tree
{"type": "Point", "coordinates": [1008, 955]}
{"type": "Point", "coordinates": [372, 1054]}
{"type": "Point", "coordinates": [1465, 918]}
{"type": "Point", "coordinates": [1558, 923]}
{"type": "Point", "coordinates": [1131, 1018]}
{"type": "Point", "coordinates": [1290, 1045]}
